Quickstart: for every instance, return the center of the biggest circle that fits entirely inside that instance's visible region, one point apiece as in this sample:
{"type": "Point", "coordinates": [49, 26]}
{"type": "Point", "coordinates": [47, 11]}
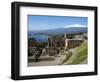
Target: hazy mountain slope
{"type": "Point", "coordinates": [70, 30]}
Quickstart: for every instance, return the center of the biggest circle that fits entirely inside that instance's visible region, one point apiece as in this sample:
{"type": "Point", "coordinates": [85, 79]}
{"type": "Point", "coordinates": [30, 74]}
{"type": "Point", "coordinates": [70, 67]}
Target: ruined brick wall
{"type": "Point", "coordinates": [72, 43]}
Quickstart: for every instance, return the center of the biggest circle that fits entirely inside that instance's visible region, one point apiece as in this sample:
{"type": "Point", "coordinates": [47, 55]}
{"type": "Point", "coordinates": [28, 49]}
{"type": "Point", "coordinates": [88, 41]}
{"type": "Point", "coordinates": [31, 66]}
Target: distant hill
{"type": "Point", "coordinates": [58, 31]}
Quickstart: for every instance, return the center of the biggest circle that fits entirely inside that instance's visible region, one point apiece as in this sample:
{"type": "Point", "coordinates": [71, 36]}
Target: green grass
{"type": "Point", "coordinates": [82, 55]}
{"type": "Point", "coordinates": [79, 55]}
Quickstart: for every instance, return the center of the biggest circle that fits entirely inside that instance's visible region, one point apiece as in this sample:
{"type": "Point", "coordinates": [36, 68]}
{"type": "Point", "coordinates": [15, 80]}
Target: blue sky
{"type": "Point", "coordinates": [39, 22]}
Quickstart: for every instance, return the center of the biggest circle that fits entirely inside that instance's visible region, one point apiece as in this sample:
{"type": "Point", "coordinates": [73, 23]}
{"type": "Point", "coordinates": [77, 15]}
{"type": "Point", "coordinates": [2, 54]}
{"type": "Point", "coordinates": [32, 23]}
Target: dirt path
{"type": "Point", "coordinates": [84, 62]}
{"type": "Point", "coordinates": [46, 60]}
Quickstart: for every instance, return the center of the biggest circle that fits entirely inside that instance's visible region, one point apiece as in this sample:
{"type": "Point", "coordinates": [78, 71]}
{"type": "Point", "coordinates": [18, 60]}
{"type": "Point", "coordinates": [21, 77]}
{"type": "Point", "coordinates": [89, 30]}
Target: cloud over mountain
{"type": "Point", "coordinates": [74, 25]}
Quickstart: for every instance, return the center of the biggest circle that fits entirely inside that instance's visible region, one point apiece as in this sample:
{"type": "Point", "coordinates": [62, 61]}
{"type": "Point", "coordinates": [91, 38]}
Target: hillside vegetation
{"type": "Point", "coordinates": [78, 55]}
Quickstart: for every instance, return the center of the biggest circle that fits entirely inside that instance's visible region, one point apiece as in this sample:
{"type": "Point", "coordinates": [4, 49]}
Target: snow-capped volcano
{"type": "Point", "coordinates": [75, 25]}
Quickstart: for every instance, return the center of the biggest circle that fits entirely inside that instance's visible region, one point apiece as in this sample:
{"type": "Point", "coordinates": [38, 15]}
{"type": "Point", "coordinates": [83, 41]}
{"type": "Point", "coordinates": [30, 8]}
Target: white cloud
{"type": "Point", "coordinates": [74, 25]}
